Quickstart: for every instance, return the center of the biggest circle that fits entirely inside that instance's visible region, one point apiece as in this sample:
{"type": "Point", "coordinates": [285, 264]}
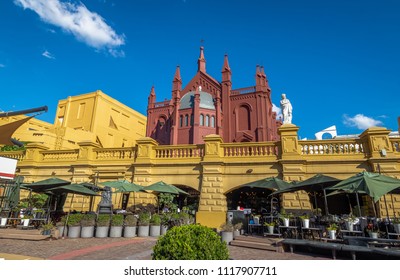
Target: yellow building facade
{"type": "Point", "coordinates": [93, 117]}
{"type": "Point", "coordinates": [216, 168]}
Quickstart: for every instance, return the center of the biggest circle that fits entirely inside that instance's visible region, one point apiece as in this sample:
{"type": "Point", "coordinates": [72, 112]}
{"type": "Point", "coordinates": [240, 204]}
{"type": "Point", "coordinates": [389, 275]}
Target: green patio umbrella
{"type": "Point", "coordinates": [162, 187]}
{"type": "Point", "coordinates": [271, 183]}
{"type": "Point", "coordinates": [318, 182]}
{"type": "Point", "coordinates": [123, 186]}
{"type": "Point", "coordinates": [373, 184]}
{"type": "Point", "coordinates": [44, 185]}
{"type": "Point", "coordinates": [72, 188]}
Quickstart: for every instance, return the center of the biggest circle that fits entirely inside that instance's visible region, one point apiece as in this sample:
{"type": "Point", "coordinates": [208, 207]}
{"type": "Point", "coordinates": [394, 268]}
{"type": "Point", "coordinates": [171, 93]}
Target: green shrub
{"type": "Point", "coordinates": [190, 242]}
{"type": "Point", "coordinates": [130, 221]}
{"type": "Point", "coordinates": [74, 220]}
{"type": "Point", "coordinates": [117, 220]}
{"type": "Point", "coordinates": [155, 220]}
{"type": "Point", "coordinates": [103, 220]}
{"type": "Point", "coordinates": [144, 219]}
{"type": "Point", "coordinates": [88, 220]}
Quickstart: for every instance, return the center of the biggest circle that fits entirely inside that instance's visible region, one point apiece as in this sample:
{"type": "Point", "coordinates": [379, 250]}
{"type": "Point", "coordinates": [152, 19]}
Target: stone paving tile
{"type": "Point", "coordinates": [122, 249]}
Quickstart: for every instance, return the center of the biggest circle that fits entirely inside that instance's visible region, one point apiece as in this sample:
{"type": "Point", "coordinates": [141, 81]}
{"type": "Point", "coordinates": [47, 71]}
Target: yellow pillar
{"type": "Point", "coordinates": [212, 205]}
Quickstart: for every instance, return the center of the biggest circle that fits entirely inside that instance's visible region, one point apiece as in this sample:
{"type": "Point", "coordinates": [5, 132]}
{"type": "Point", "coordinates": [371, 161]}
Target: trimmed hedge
{"type": "Point", "coordinates": [190, 242]}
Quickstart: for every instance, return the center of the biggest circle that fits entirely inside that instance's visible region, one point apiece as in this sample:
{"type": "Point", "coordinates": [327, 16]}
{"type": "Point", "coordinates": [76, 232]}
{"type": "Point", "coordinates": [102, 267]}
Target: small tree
{"type": "Point", "coordinates": [190, 242]}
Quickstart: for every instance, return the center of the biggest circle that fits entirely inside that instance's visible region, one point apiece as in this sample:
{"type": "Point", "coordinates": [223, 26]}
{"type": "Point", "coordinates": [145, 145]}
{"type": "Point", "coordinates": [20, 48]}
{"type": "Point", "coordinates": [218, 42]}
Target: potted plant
{"type": "Point", "coordinates": [117, 222]}
{"type": "Point", "coordinates": [3, 219]}
{"type": "Point", "coordinates": [74, 225]}
{"type": "Point", "coordinates": [102, 225]}
{"type": "Point", "coordinates": [227, 232]}
{"type": "Point", "coordinates": [305, 219]}
{"type": "Point", "coordinates": [396, 224]}
{"type": "Point", "coordinates": [270, 226]}
{"type": "Point", "coordinates": [165, 221]}
{"type": "Point", "coordinates": [143, 223]}
{"type": "Point", "coordinates": [46, 228]}
{"type": "Point", "coordinates": [332, 228]}
{"type": "Point", "coordinates": [372, 230]}
{"type": "Point", "coordinates": [285, 217]}
{"type": "Point", "coordinates": [349, 222]}
{"type": "Point", "coordinates": [62, 226]}
{"type": "Point", "coordinates": [25, 220]}
{"type": "Point", "coordinates": [130, 224]}
{"type": "Point", "coordinates": [236, 229]}
{"type": "Point", "coordinates": [87, 223]}
{"type": "Point", "coordinates": [155, 225]}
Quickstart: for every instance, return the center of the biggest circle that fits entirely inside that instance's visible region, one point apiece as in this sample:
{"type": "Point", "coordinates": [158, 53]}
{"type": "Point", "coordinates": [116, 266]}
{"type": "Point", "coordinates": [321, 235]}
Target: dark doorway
{"type": "Point", "coordinates": [256, 199]}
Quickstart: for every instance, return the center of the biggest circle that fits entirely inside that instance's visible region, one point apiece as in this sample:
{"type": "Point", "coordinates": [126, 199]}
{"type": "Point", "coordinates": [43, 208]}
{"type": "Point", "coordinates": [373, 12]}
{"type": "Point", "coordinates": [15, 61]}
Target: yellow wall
{"type": "Point", "coordinates": [83, 118]}
{"type": "Point", "coordinates": [215, 168]}
{"type": "Point", "coordinates": [113, 123]}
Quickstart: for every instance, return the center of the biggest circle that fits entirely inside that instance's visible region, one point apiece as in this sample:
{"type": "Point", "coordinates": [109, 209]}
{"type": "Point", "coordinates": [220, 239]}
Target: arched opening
{"type": "Point", "coordinates": [201, 119]}
{"type": "Point", "coordinates": [191, 201]}
{"type": "Point", "coordinates": [243, 118]}
{"type": "Point", "coordinates": [256, 199]}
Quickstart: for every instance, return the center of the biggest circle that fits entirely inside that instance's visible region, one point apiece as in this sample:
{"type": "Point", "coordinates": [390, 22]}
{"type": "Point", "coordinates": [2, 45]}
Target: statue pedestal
{"type": "Point", "coordinates": [105, 208]}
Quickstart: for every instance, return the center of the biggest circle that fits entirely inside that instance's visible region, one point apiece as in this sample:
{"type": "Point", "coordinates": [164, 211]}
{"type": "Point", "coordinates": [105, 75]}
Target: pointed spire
{"type": "Point", "coordinates": [201, 62]}
{"type": "Point", "coordinates": [226, 67]}
{"type": "Point", "coordinates": [152, 98]}
{"type": "Point", "coordinates": [177, 73]}
{"type": "Point", "coordinates": [177, 82]}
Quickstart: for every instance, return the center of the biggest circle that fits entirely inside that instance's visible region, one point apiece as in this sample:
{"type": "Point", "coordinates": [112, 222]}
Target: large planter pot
{"type": "Point", "coordinates": [373, 234]}
{"type": "Point", "coordinates": [87, 232]}
{"type": "Point", "coordinates": [271, 229]}
{"type": "Point", "coordinates": [236, 233]}
{"type": "Point", "coordinates": [227, 236]}
{"type": "Point", "coordinates": [102, 232]}
{"type": "Point", "coordinates": [74, 231]}
{"type": "Point", "coordinates": [46, 232]}
{"type": "Point", "coordinates": [286, 222]}
{"type": "Point", "coordinates": [349, 226]}
{"type": "Point", "coordinates": [155, 230]}
{"type": "Point", "coordinates": [116, 231]}
{"type": "Point", "coordinates": [129, 231]}
{"type": "Point", "coordinates": [306, 223]}
{"type": "Point", "coordinates": [396, 228]}
{"type": "Point", "coordinates": [163, 230]}
{"type": "Point", "coordinates": [143, 231]}
{"type": "Point", "coordinates": [63, 230]}
{"type": "Point", "coordinates": [3, 222]}
{"type": "Point", "coordinates": [332, 234]}
{"type": "Point", "coordinates": [25, 222]}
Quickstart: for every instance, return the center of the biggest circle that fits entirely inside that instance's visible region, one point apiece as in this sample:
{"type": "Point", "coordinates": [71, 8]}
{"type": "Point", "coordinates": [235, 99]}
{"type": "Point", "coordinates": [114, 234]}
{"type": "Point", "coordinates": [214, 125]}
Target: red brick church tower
{"type": "Point", "coordinates": [206, 106]}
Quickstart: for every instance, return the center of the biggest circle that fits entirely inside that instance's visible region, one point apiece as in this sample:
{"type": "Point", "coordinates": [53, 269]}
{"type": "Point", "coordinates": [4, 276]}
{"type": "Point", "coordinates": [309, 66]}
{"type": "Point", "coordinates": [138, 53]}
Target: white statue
{"type": "Point", "coordinates": [286, 108]}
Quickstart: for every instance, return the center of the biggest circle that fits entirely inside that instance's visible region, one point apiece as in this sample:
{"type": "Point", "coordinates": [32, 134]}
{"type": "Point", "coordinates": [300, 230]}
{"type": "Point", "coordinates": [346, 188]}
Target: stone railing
{"type": "Point", "coordinates": [128, 153]}
{"type": "Point", "coordinates": [60, 155]}
{"type": "Point", "coordinates": [262, 149]}
{"type": "Point", "coordinates": [332, 147]}
{"type": "Point", "coordinates": [243, 90]}
{"type": "Point", "coordinates": [180, 151]}
{"type": "Point", "coordinates": [18, 155]}
{"type": "Point", "coordinates": [161, 104]}
{"type": "Point", "coordinates": [395, 144]}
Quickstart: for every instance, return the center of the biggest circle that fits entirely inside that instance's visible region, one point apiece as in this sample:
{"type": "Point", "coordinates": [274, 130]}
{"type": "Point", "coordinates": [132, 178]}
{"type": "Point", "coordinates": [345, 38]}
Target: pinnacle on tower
{"type": "Point", "coordinates": [201, 62]}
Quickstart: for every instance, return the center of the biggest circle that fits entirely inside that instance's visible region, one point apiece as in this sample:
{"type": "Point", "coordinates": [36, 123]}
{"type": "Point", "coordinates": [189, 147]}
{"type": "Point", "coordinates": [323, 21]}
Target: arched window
{"type": "Point", "coordinates": [181, 121]}
{"type": "Point", "coordinates": [243, 118]}
{"type": "Point", "coordinates": [201, 119]}
{"type": "Point", "coordinates": [207, 120]}
{"type": "Point", "coordinates": [212, 121]}
{"type": "Point", "coordinates": [186, 120]}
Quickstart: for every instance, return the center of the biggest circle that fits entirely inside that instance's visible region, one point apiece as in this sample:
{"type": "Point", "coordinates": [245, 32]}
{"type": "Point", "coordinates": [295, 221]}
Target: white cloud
{"type": "Point", "coordinates": [278, 111]}
{"type": "Point", "coordinates": [48, 55]}
{"type": "Point", "coordinates": [88, 27]}
{"type": "Point", "coordinates": [360, 121]}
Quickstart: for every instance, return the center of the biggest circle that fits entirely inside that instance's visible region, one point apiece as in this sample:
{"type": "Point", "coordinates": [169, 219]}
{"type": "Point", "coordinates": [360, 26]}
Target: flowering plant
{"type": "Point", "coordinates": [332, 227]}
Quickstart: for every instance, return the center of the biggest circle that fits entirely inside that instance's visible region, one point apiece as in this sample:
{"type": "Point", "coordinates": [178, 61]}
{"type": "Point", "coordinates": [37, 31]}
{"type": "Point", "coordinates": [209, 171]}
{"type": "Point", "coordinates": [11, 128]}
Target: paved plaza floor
{"type": "Point", "coordinates": [138, 248]}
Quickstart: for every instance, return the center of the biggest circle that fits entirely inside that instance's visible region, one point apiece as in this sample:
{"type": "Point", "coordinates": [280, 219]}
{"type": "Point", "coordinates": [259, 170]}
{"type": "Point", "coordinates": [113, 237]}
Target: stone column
{"type": "Point", "coordinates": [212, 206]}
{"type": "Point", "coordinates": [293, 167]}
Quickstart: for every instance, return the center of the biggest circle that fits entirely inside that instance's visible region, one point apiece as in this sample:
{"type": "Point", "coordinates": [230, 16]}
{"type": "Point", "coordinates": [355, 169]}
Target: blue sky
{"type": "Point", "coordinates": [337, 61]}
